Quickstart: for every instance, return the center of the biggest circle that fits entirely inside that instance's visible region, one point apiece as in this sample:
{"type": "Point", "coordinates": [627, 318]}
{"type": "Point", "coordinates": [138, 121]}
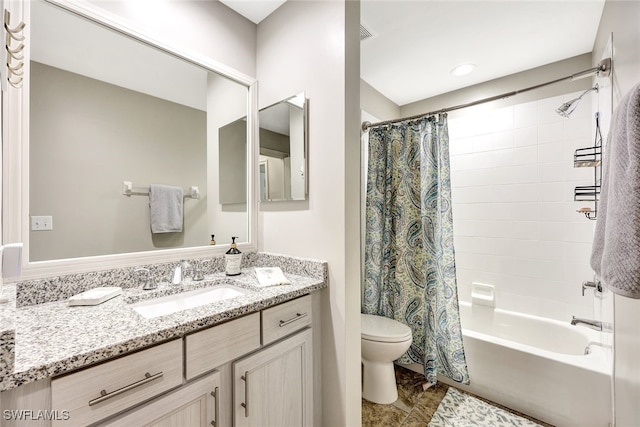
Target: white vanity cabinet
{"type": "Point", "coordinates": [103, 390]}
{"type": "Point", "coordinates": [273, 387]}
{"type": "Point", "coordinates": [197, 404]}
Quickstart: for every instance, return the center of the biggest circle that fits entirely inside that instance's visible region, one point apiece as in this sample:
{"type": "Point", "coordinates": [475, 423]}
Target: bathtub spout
{"type": "Point", "coordinates": [593, 324]}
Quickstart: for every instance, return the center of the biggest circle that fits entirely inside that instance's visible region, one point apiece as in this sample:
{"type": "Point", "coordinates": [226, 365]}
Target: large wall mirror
{"type": "Point", "coordinates": [106, 109]}
{"type": "Point", "coordinates": [282, 165]}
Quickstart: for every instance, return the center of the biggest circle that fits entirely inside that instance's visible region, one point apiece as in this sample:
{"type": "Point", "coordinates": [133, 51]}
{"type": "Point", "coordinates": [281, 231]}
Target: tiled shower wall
{"type": "Point", "coordinates": [515, 221]}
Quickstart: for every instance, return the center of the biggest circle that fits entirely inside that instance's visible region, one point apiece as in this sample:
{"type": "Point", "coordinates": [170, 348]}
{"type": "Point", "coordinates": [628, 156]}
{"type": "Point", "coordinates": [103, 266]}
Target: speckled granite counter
{"type": "Point", "coordinates": [52, 337]}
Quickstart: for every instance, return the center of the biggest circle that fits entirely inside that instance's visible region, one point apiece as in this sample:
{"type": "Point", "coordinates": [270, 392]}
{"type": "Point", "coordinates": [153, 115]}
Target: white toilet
{"type": "Point", "coordinates": [383, 341]}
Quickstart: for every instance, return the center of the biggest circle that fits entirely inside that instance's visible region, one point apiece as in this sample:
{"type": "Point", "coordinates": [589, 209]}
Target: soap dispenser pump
{"type": "Point", "coordinates": [233, 259]}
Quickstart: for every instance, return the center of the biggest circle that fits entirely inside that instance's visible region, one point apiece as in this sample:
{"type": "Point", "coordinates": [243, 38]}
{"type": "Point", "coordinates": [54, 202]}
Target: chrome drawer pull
{"type": "Point", "coordinates": [245, 404]}
{"type": "Point", "coordinates": [104, 395]}
{"type": "Point", "coordinates": [298, 316]}
{"type": "Point", "coordinates": [216, 410]}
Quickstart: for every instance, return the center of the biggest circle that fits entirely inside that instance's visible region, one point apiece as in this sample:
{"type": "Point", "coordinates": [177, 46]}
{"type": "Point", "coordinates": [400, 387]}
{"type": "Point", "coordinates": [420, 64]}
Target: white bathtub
{"type": "Point", "coordinates": [536, 366]}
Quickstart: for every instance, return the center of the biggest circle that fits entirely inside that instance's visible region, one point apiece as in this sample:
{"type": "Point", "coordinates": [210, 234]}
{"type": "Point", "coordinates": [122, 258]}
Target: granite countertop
{"type": "Point", "coordinates": [53, 337]}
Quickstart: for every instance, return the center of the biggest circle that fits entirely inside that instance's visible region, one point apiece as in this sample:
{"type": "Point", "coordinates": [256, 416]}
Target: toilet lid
{"type": "Point", "coordinates": [383, 329]}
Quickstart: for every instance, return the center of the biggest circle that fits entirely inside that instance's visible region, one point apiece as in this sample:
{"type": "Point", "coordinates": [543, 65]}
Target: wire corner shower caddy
{"type": "Point", "coordinates": [590, 157]}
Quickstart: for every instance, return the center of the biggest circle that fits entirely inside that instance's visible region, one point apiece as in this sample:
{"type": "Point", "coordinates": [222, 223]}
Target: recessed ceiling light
{"type": "Point", "coordinates": [463, 69]}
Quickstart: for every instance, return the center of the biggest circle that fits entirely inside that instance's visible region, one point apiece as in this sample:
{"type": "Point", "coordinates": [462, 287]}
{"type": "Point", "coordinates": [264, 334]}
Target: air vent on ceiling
{"type": "Point", "coordinates": [364, 33]}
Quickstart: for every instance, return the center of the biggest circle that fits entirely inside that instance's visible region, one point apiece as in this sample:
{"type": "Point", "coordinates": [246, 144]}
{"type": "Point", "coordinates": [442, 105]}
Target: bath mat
{"type": "Point", "coordinates": [458, 409]}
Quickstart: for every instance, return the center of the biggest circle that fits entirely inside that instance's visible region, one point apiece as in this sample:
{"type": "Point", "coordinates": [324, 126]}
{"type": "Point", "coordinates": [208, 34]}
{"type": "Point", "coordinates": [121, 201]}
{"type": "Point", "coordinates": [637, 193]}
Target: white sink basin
{"type": "Point", "coordinates": [169, 304]}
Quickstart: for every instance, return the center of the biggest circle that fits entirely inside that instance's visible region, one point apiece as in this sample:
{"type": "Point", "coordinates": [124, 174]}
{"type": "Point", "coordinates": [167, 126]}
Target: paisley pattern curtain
{"type": "Point", "coordinates": [410, 273]}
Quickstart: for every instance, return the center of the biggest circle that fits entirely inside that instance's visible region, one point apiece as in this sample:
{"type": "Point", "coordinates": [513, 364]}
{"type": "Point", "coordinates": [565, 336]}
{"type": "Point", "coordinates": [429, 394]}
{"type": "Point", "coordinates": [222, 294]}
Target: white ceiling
{"type": "Point", "coordinates": [254, 10]}
{"type": "Point", "coordinates": [417, 43]}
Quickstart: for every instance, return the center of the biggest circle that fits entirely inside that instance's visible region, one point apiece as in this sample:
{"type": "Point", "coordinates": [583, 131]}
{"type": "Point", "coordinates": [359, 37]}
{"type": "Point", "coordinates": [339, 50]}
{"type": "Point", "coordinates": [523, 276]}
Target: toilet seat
{"type": "Point", "coordinates": [383, 329]}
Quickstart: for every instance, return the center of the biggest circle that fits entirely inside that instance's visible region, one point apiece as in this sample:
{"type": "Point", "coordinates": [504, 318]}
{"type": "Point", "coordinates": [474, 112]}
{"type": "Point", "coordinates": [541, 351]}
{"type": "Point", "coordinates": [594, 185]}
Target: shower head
{"type": "Point", "coordinates": [567, 108]}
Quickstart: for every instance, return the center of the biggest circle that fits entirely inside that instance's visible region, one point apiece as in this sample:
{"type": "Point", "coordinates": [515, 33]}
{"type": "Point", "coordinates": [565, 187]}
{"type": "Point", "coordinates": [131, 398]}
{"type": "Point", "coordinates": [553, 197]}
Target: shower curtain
{"type": "Point", "coordinates": [410, 273]}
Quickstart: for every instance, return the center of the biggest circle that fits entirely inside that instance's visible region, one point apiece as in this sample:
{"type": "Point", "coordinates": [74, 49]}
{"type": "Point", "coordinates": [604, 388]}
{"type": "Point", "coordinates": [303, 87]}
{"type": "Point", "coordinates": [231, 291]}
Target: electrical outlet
{"type": "Point", "coordinates": [41, 223]}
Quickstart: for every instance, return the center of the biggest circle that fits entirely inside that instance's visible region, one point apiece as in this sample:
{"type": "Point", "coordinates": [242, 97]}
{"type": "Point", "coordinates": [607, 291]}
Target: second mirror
{"type": "Point", "coordinates": [283, 150]}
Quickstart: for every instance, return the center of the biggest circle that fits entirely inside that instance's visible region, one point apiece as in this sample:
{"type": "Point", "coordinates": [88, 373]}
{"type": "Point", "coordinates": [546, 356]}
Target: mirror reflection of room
{"type": "Point", "coordinates": [282, 166]}
{"type": "Point", "coordinates": [282, 150]}
{"type": "Point", "coordinates": [106, 109]}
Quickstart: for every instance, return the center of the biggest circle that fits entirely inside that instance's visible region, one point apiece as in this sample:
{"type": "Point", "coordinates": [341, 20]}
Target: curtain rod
{"type": "Point", "coordinates": [602, 70]}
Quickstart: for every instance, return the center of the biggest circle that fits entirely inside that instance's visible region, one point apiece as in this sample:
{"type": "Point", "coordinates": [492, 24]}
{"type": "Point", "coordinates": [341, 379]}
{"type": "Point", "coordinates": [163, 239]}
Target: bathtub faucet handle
{"type": "Point", "coordinates": [596, 286]}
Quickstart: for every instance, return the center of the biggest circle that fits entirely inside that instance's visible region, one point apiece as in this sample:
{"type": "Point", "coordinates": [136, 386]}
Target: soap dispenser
{"type": "Point", "coordinates": [233, 259]}
{"type": "Point", "coordinates": [213, 240]}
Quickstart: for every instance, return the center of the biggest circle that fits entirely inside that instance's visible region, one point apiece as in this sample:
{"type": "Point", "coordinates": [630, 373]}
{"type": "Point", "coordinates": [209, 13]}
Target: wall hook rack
{"type": "Point", "coordinates": [14, 54]}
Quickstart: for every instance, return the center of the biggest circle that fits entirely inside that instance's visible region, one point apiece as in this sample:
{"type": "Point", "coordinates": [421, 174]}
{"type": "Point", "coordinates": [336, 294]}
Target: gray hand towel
{"type": "Point", "coordinates": [165, 205]}
{"type": "Point", "coordinates": [615, 256]}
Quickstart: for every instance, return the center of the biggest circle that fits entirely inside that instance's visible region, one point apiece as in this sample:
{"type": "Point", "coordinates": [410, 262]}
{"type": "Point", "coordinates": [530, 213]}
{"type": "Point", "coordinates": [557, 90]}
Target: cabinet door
{"type": "Point", "coordinates": [193, 405]}
{"type": "Point", "coordinates": [273, 387]}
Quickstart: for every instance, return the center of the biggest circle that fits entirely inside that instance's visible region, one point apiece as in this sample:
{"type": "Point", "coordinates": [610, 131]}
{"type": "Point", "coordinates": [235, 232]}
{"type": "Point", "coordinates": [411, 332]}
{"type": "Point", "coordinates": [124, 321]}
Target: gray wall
{"type": "Point", "coordinates": [87, 137]}
{"type": "Point", "coordinates": [313, 46]}
{"type": "Point", "coordinates": [622, 18]}
{"type": "Point", "coordinates": [376, 104]}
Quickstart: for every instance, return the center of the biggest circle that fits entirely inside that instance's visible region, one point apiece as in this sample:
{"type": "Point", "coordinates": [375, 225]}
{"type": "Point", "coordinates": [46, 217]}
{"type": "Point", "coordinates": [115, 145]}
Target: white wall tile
{"type": "Point", "coordinates": [526, 174]}
{"type": "Point", "coordinates": [526, 114]}
{"type": "Point", "coordinates": [548, 250]}
{"type": "Point", "coordinates": [526, 230]}
{"type": "Point", "coordinates": [482, 159]}
{"type": "Point", "coordinates": [579, 129]}
{"type": "Point", "coordinates": [551, 172]}
{"type": "Point", "coordinates": [472, 194]}
{"type": "Point", "coordinates": [503, 193]}
{"type": "Point", "coordinates": [471, 178]}
{"type": "Point", "coordinates": [502, 211]}
{"type": "Point", "coordinates": [525, 136]}
{"type": "Point", "coordinates": [525, 248]}
{"type": "Point", "coordinates": [577, 252]}
{"type": "Point", "coordinates": [482, 143]}
{"type": "Point", "coordinates": [461, 146]}
{"type": "Point", "coordinates": [551, 231]}
{"type": "Point", "coordinates": [551, 211]}
{"type": "Point", "coordinates": [500, 140]}
{"type": "Point", "coordinates": [526, 211]}
{"type": "Point", "coordinates": [515, 220]}
{"type": "Point", "coordinates": [502, 175]}
{"type": "Point", "coordinates": [552, 153]}
{"type": "Point", "coordinates": [526, 193]}
{"type": "Point", "coordinates": [550, 132]}
{"type": "Point", "coordinates": [499, 120]}
{"type": "Point", "coordinates": [578, 231]}
{"type": "Point", "coordinates": [553, 191]}
{"type": "Point", "coordinates": [463, 162]}
{"type": "Point", "coordinates": [527, 155]}
{"type": "Point", "coordinates": [502, 158]}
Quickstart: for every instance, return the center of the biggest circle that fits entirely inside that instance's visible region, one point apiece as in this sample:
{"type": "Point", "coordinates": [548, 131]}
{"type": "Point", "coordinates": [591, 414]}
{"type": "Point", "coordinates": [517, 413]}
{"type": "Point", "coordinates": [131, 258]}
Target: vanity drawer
{"type": "Point", "coordinates": [285, 318]}
{"type": "Point", "coordinates": [97, 392]}
{"type": "Point", "coordinates": [213, 347]}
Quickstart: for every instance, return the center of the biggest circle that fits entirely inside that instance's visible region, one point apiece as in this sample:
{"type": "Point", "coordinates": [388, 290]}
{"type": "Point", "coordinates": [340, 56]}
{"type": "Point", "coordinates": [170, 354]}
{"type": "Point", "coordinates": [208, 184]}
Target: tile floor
{"type": "Point", "coordinates": [414, 406]}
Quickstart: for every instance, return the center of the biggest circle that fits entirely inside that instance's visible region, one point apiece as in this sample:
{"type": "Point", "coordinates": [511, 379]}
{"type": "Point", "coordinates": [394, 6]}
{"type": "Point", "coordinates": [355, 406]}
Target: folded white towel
{"type": "Point", "coordinates": [615, 255]}
{"type": "Point", "coordinates": [165, 206]}
{"type": "Point", "coordinates": [271, 276]}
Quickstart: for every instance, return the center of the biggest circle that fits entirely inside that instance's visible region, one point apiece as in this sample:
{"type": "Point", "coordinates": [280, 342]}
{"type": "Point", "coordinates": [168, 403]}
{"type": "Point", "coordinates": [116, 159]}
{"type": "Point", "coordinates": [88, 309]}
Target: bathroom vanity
{"type": "Point", "coordinates": [240, 361]}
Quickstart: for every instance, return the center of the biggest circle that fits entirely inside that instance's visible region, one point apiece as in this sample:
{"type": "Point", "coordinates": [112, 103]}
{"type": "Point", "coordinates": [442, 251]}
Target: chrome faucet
{"type": "Point", "coordinates": [595, 285]}
{"type": "Point", "coordinates": [149, 280]}
{"type": "Point", "coordinates": [180, 272]}
{"type": "Point", "coordinates": [593, 324]}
